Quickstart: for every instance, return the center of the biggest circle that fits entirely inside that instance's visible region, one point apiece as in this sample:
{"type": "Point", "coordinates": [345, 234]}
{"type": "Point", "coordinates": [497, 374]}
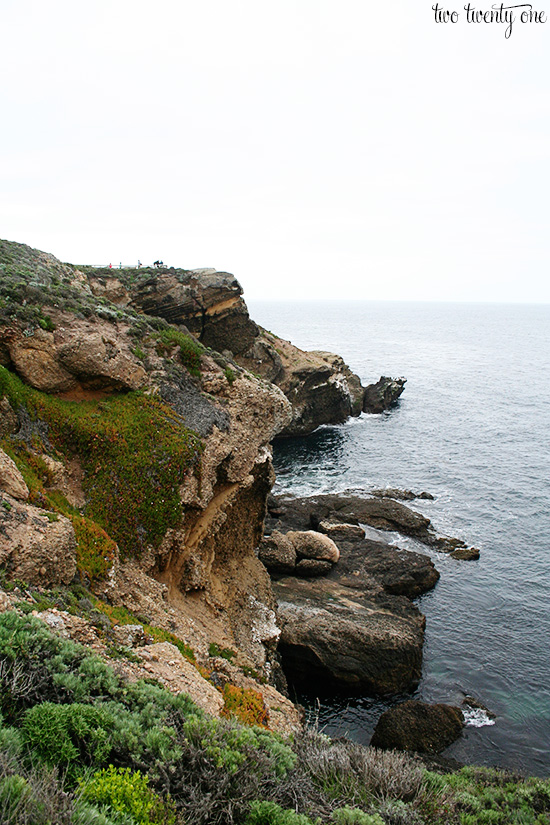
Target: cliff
{"type": "Point", "coordinates": [136, 416]}
{"type": "Point", "coordinates": [134, 460]}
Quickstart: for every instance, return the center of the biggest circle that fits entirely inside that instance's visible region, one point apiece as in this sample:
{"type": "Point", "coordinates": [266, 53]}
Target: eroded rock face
{"type": "Point", "coordinates": [34, 548]}
{"type": "Point", "coordinates": [79, 354]}
{"type": "Point", "coordinates": [416, 726]}
{"type": "Point", "coordinates": [333, 636]}
{"type": "Point", "coordinates": [11, 480]}
{"type": "Point", "coordinates": [207, 302]}
{"type": "Point", "coordinates": [320, 386]}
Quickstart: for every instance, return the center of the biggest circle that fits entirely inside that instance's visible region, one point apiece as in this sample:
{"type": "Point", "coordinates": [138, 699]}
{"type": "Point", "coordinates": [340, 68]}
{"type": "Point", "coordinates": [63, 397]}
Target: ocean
{"type": "Point", "coordinates": [473, 429]}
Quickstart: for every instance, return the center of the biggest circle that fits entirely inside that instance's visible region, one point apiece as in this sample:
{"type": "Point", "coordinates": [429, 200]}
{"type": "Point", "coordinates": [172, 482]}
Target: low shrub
{"type": "Point", "coordinates": [32, 795]}
{"type": "Point", "coordinates": [269, 813]}
{"type": "Point", "coordinates": [190, 350]}
{"type": "Point", "coordinates": [245, 704]}
{"type": "Point", "coordinates": [70, 737]}
{"type": "Point", "coordinates": [127, 792]}
{"type": "Point", "coordinates": [354, 816]}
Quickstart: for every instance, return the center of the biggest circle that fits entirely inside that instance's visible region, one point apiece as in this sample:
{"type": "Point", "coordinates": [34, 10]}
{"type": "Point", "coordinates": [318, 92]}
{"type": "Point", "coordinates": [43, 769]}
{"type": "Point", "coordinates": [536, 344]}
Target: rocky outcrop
{"type": "Point", "coordinates": [207, 302]}
{"type": "Point", "coordinates": [320, 386]}
{"type": "Point", "coordinates": [416, 726]}
{"type": "Point", "coordinates": [382, 395]}
{"type": "Point", "coordinates": [35, 546]}
{"type": "Point", "coordinates": [355, 628]}
{"type": "Point", "coordinates": [11, 480]}
{"type": "Point", "coordinates": [382, 513]}
{"type": "Point", "coordinates": [334, 636]}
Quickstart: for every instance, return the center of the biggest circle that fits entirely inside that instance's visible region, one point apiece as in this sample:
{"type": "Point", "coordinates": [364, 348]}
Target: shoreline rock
{"type": "Point", "coordinates": [418, 727]}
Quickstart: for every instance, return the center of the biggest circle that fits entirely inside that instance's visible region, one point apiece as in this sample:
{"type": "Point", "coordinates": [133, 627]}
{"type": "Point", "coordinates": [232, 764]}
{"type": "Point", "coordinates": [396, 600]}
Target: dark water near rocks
{"type": "Point", "coordinates": [473, 429]}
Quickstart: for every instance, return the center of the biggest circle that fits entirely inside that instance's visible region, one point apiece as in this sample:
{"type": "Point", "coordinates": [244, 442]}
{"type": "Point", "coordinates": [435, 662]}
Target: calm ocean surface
{"type": "Point", "coordinates": [473, 429]}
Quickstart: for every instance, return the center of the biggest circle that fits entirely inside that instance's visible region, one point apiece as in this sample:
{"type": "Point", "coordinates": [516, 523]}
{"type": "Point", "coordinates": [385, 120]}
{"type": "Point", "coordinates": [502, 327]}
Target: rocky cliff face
{"type": "Point", "coordinates": [319, 385]}
{"type": "Point", "coordinates": [133, 455]}
{"type": "Point", "coordinates": [137, 408]}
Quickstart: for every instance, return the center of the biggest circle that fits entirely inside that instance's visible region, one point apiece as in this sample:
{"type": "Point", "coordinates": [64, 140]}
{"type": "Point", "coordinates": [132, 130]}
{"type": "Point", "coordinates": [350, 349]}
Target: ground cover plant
{"type": "Point", "coordinates": [132, 479]}
{"type": "Point", "coordinates": [79, 745]}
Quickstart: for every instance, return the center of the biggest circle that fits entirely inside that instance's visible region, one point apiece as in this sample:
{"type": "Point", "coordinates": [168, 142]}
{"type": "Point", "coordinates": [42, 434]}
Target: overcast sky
{"type": "Point", "coordinates": [314, 148]}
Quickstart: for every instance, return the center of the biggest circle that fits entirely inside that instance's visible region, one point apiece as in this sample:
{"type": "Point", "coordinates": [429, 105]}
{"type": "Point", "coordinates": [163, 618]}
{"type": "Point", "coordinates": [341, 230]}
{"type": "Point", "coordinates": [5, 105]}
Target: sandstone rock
{"type": "Point", "coordinates": [380, 396]}
{"type": "Point", "coordinates": [416, 726]}
{"type": "Point", "coordinates": [208, 302]}
{"type": "Point", "coordinates": [11, 480]}
{"type": "Point", "coordinates": [129, 635]}
{"type": "Point", "coordinates": [165, 663]}
{"type": "Point", "coordinates": [99, 358]}
{"type": "Point", "coordinates": [35, 359]}
{"type": "Point", "coordinates": [310, 544]}
{"type": "Point", "coordinates": [33, 548]}
{"type": "Point", "coordinates": [364, 564]}
{"type": "Point", "coordinates": [333, 636]}
{"type": "Point", "coordinates": [337, 531]}
{"type": "Point", "coordinates": [309, 568]}
{"type": "Point", "coordinates": [277, 553]}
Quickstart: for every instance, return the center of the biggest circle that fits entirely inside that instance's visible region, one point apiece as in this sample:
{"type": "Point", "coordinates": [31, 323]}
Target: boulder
{"type": "Point", "coordinates": [129, 635]}
{"type": "Point", "coordinates": [416, 726]}
{"type": "Point", "coordinates": [309, 568]}
{"type": "Point", "coordinates": [380, 396]}
{"type": "Point", "coordinates": [336, 637]}
{"type": "Point", "coordinates": [310, 544]}
{"type": "Point", "coordinates": [11, 480]}
{"type": "Point", "coordinates": [36, 547]}
{"type": "Point", "coordinates": [277, 553]}
{"type": "Point", "coordinates": [342, 532]}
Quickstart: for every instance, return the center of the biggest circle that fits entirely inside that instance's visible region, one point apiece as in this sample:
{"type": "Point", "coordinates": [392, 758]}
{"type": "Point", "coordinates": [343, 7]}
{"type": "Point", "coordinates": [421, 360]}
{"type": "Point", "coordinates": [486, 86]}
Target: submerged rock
{"type": "Point", "coordinates": [416, 726]}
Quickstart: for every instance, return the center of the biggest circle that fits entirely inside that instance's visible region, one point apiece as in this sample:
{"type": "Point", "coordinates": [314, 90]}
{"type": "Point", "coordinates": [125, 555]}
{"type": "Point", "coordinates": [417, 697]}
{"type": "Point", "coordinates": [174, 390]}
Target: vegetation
{"type": "Point", "coordinates": [132, 479]}
{"type": "Point", "coordinates": [190, 350]}
{"type": "Point", "coordinates": [246, 705]}
{"type": "Point", "coordinates": [79, 745]}
{"type": "Point", "coordinates": [31, 282]}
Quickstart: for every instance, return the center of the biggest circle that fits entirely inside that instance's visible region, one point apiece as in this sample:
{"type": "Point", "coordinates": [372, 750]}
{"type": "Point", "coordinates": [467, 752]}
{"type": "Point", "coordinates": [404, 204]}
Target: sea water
{"type": "Point", "coordinates": [473, 429]}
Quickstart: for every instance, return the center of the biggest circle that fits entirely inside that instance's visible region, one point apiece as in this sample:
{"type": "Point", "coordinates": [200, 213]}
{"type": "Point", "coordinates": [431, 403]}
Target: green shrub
{"type": "Point", "coordinates": [230, 375]}
{"type": "Point", "coordinates": [229, 744]}
{"type": "Point", "coordinates": [354, 816]}
{"type": "Point", "coordinates": [14, 792]}
{"type": "Point", "coordinates": [269, 813]}
{"type": "Point", "coordinates": [127, 792]}
{"type": "Point", "coordinates": [95, 549]}
{"type": "Point", "coordinates": [190, 350]}
{"type": "Point", "coordinates": [71, 737]}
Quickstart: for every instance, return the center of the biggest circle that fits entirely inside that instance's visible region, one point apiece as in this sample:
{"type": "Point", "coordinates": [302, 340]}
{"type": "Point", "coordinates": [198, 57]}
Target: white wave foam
{"type": "Point", "coordinates": [476, 717]}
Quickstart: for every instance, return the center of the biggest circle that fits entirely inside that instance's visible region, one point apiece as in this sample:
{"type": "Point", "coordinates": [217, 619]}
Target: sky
{"type": "Point", "coordinates": [315, 148]}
